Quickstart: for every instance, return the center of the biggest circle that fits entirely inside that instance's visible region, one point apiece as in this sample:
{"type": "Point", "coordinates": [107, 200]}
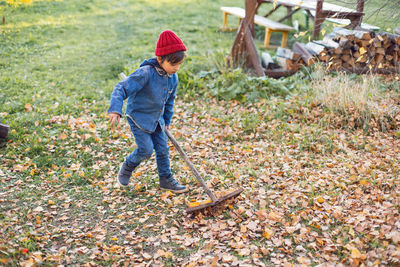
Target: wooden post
{"type": "Point", "coordinates": [360, 8]}
{"type": "Point", "coordinates": [225, 24]}
{"type": "Point", "coordinates": [243, 47]}
{"type": "Point", "coordinates": [4, 130]}
{"type": "Point", "coordinates": [251, 9]}
{"type": "Point", "coordinates": [319, 19]}
{"type": "Point", "coordinates": [289, 14]}
{"type": "Point", "coordinates": [272, 11]}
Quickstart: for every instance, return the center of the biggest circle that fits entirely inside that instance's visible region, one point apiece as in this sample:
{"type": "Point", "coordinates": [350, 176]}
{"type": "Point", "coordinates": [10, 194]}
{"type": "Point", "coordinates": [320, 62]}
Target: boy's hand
{"type": "Point", "coordinates": [166, 127]}
{"type": "Point", "coordinates": [114, 117]}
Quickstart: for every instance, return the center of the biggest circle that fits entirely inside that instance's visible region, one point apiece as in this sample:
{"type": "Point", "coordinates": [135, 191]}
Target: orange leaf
{"type": "Point", "coordinates": [63, 136]}
{"type": "Point", "coordinates": [268, 233]}
{"type": "Point", "coordinates": [193, 204]}
{"type": "Point", "coordinates": [28, 107]}
{"type": "Point", "coordinates": [355, 253]}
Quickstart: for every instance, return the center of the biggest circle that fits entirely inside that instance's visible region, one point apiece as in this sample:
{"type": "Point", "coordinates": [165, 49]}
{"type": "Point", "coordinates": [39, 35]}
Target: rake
{"type": "Point", "coordinates": [216, 203]}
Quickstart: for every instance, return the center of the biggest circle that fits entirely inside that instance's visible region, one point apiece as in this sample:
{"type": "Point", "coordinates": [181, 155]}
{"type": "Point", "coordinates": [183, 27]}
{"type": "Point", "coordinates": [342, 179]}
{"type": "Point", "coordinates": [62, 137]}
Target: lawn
{"type": "Point", "coordinates": [318, 189]}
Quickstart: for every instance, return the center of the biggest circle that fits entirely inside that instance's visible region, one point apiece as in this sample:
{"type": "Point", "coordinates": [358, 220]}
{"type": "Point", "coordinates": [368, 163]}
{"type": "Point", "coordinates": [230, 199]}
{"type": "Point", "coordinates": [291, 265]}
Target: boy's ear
{"type": "Point", "coordinates": [159, 60]}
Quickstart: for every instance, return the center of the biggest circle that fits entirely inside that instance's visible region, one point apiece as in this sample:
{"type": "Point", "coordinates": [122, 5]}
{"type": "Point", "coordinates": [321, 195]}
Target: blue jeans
{"type": "Point", "coordinates": [146, 142]}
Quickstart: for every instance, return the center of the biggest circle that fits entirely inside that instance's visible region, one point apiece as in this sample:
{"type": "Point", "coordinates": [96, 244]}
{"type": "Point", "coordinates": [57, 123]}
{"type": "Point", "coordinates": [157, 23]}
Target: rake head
{"type": "Point", "coordinates": [214, 208]}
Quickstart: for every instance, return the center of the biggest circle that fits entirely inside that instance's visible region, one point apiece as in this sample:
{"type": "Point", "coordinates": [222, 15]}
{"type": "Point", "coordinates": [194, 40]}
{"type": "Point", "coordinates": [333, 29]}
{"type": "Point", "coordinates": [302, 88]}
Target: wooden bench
{"type": "Point", "coordinates": [341, 22]}
{"type": "Point", "coordinates": [270, 25]}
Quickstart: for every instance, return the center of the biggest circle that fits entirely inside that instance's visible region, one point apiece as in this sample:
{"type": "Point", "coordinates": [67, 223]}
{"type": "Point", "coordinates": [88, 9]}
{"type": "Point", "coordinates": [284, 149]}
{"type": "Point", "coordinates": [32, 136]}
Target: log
{"type": "Point", "coordinates": [378, 58]}
{"type": "Point", "coordinates": [284, 52]}
{"type": "Point", "coordinates": [287, 64]}
{"type": "Point", "coordinates": [314, 48]}
{"type": "Point", "coordinates": [361, 42]}
{"type": "Point", "coordinates": [380, 50]}
{"type": "Point", "coordinates": [393, 37]}
{"type": "Point", "coordinates": [282, 62]}
{"type": "Point", "coordinates": [377, 41]}
{"type": "Point", "coordinates": [266, 60]}
{"type": "Point", "coordinates": [301, 49]}
{"type": "Point", "coordinates": [4, 129]}
{"type": "Point", "coordinates": [364, 35]}
{"type": "Point", "coordinates": [328, 43]}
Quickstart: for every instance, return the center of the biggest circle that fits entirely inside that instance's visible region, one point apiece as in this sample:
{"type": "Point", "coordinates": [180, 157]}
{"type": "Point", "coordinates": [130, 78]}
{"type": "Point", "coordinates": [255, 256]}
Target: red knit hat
{"type": "Point", "coordinates": [169, 43]}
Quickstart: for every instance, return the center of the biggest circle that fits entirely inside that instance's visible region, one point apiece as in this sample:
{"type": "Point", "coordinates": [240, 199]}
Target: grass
{"type": "Point", "coordinates": [362, 101]}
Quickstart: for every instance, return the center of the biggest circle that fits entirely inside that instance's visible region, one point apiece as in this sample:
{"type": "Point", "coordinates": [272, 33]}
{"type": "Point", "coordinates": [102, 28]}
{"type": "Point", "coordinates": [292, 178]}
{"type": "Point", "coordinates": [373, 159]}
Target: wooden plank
{"type": "Point", "coordinates": [241, 13]}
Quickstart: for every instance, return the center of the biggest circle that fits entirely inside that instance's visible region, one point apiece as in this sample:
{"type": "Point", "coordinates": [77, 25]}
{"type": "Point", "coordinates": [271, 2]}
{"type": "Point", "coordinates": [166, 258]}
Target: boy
{"type": "Point", "coordinates": [151, 91]}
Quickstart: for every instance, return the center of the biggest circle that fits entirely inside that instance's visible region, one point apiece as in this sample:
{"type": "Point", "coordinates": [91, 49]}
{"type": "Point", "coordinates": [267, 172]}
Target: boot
{"type": "Point", "coordinates": [169, 183]}
{"type": "Point", "coordinates": [125, 173]}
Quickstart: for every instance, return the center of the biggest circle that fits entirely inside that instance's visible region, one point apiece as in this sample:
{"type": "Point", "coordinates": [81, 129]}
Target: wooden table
{"type": "Point", "coordinates": [322, 11]}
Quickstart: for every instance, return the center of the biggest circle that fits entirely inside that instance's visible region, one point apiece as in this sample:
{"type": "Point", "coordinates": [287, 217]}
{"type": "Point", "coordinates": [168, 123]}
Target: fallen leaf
{"type": "Point", "coordinates": [63, 136]}
{"type": "Point", "coordinates": [364, 182]}
{"type": "Point", "coordinates": [268, 233]}
{"type": "Point", "coordinates": [355, 253]}
{"type": "Point", "coordinates": [28, 107]}
{"type": "Point", "coordinates": [146, 256]}
{"type": "Point", "coordinates": [38, 209]}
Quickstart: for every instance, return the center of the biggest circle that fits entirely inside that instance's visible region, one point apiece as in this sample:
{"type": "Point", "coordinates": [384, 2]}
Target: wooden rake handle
{"type": "Point", "coordinates": [190, 165]}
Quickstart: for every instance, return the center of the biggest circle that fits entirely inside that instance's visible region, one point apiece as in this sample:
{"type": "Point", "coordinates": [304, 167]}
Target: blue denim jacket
{"type": "Point", "coordinates": [151, 93]}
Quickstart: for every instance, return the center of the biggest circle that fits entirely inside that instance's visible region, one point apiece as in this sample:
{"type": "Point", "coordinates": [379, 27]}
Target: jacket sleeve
{"type": "Point", "coordinates": [126, 88]}
{"type": "Point", "coordinates": [169, 106]}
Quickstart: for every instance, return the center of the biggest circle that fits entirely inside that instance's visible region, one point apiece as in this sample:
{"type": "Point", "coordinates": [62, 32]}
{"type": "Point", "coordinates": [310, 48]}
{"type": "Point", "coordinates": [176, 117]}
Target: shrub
{"type": "Point", "coordinates": [357, 101]}
{"type": "Point", "coordinates": [234, 84]}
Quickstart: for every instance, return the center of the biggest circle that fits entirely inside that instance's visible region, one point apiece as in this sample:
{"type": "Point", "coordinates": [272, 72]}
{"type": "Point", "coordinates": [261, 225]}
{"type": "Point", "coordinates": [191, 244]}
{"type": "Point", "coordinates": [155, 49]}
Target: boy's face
{"type": "Point", "coordinates": [168, 67]}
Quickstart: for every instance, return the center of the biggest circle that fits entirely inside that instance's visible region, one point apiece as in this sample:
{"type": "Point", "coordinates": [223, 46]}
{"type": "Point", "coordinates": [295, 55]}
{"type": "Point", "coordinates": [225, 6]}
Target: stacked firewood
{"type": "Point", "coordinates": [285, 59]}
{"type": "Point", "coordinates": [358, 51]}
{"type": "Point", "coordinates": [349, 50]}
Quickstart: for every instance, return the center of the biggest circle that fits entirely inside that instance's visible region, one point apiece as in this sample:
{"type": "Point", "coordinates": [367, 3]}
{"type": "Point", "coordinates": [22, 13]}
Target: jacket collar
{"type": "Point", "coordinates": [162, 72]}
{"type": "Point", "coordinates": [154, 63]}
